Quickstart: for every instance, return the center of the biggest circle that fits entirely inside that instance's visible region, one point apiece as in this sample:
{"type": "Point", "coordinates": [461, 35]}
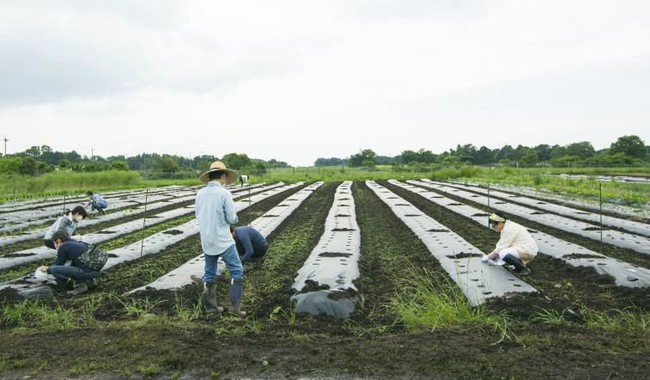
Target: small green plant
{"type": "Point", "coordinates": [82, 369]}
{"type": "Point", "coordinates": [138, 307]}
{"type": "Point", "coordinates": [622, 320]}
{"type": "Point", "coordinates": [549, 317]}
{"type": "Point", "coordinates": [188, 313]}
{"type": "Point", "coordinates": [152, 369]}
{"type": "Point", "coordinates": [288, 315]}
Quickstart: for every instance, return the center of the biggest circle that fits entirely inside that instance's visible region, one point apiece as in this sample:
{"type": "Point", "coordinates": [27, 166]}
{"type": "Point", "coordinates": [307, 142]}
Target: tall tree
{"type": "Point", "coordinates": [631, 146]}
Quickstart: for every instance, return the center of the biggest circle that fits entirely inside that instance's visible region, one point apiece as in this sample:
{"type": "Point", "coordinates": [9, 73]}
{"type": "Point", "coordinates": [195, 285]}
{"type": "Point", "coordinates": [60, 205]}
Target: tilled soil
{"type": "Point", "coordinates": [149, 335]}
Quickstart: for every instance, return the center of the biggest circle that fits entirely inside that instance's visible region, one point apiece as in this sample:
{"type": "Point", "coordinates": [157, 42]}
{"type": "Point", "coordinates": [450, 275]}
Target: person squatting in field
{"type": "Point", "coordinates": [77, 275]}
{"type": "Point", "coordinates": [215, 212]}
{"type": "Point", "coordinates": [68, 223]}
{"type": "Point", "coordinates": [251, 244]}
{"type": "Point", "coordinates": [515, 246]}
{"type": "Point", "coordinates": [96, 202]}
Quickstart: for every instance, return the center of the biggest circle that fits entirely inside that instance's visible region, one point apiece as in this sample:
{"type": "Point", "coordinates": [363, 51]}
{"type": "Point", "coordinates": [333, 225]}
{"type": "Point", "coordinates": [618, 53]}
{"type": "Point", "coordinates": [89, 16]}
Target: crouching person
{"type": "Point", "coordinates": [515, 246]}
{"type": "Point", "coordinates": [77, 273]}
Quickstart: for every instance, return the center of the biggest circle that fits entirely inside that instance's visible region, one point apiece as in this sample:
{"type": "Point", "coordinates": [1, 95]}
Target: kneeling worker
{"type": "Point", "coordinates": [515, 246]}
{"type": "Point", "coordinates": [71, 250]}
{"type": "Point", "coordinates": [251, 244]}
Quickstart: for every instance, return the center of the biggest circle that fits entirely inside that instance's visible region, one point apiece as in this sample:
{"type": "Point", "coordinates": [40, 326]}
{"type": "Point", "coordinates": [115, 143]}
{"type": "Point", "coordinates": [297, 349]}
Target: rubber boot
{"type": "Point", "coordinates": [210, 298]}
{"type": "Point", "coordinates": [92, 283]}
{"type": "Point", "coordinates": [520, 268]}
{"type": "Point", "coordinates": [79, 288]}
{"type": "Point", "coordinates": [234, 293]}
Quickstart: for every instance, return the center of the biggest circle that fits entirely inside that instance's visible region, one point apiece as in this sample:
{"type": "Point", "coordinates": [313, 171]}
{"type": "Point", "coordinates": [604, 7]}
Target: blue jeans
{"type": "Point", "coordinates": [256, 254]}
{"type": "Point", "coordinates": [233, 263]}
{"type": "Point", "coordinates": [63, 272]}
{"type": "Point", "coordinates": [99, 205]}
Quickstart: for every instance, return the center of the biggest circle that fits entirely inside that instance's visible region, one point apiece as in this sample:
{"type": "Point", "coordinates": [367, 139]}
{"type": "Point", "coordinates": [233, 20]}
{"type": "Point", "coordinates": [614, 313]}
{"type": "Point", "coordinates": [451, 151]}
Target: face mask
{"type": "Point", "coordinates": [80, 218]}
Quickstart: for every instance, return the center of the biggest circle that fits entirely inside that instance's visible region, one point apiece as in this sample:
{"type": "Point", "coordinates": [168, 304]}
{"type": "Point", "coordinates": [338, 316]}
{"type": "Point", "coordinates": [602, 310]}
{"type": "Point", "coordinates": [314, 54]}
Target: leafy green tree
{"type": "Point", "coordinates": [529, 158]}
{"type": "Point", "coordinates": [557, 152]}
{"type": "Point", "coordinates": [465, 153]}
{"type": "Point", "coordinates": [543, 152]}
{"type": "Point", "coordinates": [507, 153]}
{"type": "Point", "coordinates": [10, 165]}
{"type": "Point", "coordinates": [28, 166]}
{"type": "Point", "coordinates": [332, 161]}
{"type": "Point", "coordinates": [167, 165]}
{"type": "Point", "coordinates": [367, 157]}
{"type": "Point", "coordinates": [631, 146]}
{"type": "Point", "coordinates": [34, 151]}
{"type": "Point", "coordinates": [409, 156]}
{"type": "Point", "coordinates": [581, 150]}
{"type": "Point", "coordinates": [236, 161]}
{"type": "Point", "coordinates": [118, 165]}
{"type": "Point", "coordinates": [273, 163]}
{"type": "Point", "coordinates": [484, 156]}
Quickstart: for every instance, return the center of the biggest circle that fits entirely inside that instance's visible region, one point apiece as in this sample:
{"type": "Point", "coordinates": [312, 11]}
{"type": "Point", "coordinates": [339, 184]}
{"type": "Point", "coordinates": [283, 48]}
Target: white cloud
{"type": "Point", "coordinates": [295, 80]}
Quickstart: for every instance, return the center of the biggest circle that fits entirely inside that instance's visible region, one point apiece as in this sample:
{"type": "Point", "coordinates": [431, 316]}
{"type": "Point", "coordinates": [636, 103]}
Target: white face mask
{"type": "Point", "coordinates": [80, 218]}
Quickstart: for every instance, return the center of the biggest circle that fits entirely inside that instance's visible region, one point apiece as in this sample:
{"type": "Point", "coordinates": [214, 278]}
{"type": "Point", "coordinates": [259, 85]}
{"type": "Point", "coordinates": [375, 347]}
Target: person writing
{"type": "Point", "coordinates": [215, 212]}
{"type": "Point", "coordinates": [251, 244]}
{"type": "Point", "coordinates": [515, 246]}
{"type": "Point", "coordinates": [67, 223]}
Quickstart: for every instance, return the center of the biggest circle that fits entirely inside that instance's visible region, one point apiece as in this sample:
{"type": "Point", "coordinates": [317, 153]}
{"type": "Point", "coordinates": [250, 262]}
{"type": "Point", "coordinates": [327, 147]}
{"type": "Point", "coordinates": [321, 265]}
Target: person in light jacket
{"type": "Point", "coordinates": [215, 212]}
{"type": "Point", "coordinates": [96, 202]}
{"type": "Point", "coordinates": [68, 223]}
{"type": "Point", "coordinates": [515, 246]}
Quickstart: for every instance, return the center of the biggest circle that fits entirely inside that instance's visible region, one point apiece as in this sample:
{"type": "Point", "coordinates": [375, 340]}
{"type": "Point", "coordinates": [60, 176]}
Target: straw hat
{"type": "Point", "coordinates": [497, 218]}
{"type": "Point", "coordinates": [216, 166]}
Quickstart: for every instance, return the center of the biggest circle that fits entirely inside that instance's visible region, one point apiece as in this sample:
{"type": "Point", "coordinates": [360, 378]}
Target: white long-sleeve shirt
{"type": "Point", "coordinates": [515, 235]}
{"type": "Point", "coordinates": [215, 211]}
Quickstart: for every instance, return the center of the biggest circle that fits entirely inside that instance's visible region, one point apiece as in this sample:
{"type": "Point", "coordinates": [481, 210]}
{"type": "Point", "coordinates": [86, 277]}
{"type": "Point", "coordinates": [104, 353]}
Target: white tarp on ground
{"type": "Point", "coordinates": [180, 276]}
{"type": "Point", "coordinates": [28, 286]}
{"type": "Point", "coordinates": [636, 243]}
{"type": "Point", "coordinates": [477, 280]}
{"type": "Point", "coordinates": [625, 274]}
{"type": "Point", "coordinates": [333, 262]}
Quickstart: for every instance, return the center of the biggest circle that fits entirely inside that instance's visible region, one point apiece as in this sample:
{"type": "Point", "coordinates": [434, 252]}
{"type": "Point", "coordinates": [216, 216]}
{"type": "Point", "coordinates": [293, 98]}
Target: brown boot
{"type": "Point", "coordinates": [209, 298]}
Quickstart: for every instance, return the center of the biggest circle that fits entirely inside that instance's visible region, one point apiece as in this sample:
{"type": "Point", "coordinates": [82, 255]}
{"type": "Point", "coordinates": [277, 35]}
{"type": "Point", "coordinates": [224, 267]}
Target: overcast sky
{"type": "Point", "coordinates": [299, 80]}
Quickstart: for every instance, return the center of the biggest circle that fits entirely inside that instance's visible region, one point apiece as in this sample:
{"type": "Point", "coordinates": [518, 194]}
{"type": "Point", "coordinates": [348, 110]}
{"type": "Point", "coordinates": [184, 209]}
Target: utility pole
{"type": "Point", "coordinates": [6, 139]}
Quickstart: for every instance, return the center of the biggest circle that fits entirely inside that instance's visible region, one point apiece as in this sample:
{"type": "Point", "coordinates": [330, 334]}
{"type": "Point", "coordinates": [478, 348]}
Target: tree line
{"type": "Point", "coordinates": [38, 160]}
{"type": "Point", "coordinates": [625, 151]}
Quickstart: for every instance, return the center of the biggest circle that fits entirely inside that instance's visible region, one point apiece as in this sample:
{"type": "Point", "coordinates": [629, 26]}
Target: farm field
{"type": "Point", "coordinates": [410, 319]}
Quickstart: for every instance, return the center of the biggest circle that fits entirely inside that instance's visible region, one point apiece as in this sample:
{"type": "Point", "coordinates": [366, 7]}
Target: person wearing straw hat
{"type": "Point", "coordinates": [515, 246]}
{"type": "Point", "coordinates": [215, 212]}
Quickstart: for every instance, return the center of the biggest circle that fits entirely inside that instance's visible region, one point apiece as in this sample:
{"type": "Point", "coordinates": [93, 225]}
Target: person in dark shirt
{"type": "Point", "coordinates": [77, 273]}
{"type": "Point", "coordinates": [251, 244]}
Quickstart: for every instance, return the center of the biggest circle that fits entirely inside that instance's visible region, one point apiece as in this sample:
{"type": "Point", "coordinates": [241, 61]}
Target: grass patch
{"type": "Point", "coordinates": [434, 302]}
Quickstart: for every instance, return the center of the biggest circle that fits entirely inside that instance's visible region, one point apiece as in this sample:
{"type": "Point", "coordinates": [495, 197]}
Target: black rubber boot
{"type": "Point", "coordinates": [520, 268]}
{"type": "Point", "coordinates": [234, 293]}
{"type": "Point", "coordinates": [210, 298]}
